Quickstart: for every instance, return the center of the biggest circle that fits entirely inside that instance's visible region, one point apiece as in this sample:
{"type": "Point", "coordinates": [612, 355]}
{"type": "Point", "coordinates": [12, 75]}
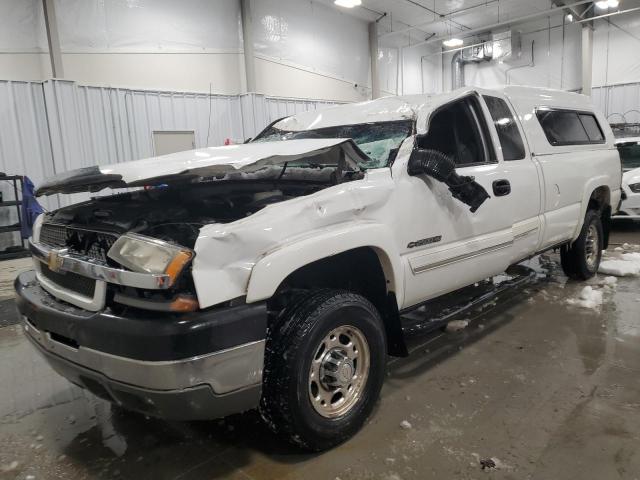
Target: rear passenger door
{"type": "Point", "coordinates": [521, 173]}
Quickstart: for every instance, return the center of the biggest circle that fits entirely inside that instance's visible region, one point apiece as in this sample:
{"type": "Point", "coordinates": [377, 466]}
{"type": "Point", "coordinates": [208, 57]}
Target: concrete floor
{"type": "Point", "coordinates": [545, 389]}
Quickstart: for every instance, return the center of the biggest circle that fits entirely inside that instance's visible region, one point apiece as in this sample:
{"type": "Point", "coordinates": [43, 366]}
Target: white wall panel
{"type": "Point", "coordinates": [615, 50]}
{"type": "Point", "coordinates": [22, 27]}
{"type": "Point", "coordinates": [148, 25]}
{"type": "Point", "coordinates": [619, 103]}
{"type": "Point", "coordinates": [23, 41]}
{"type": "Point", "coordinates": [312, 35]}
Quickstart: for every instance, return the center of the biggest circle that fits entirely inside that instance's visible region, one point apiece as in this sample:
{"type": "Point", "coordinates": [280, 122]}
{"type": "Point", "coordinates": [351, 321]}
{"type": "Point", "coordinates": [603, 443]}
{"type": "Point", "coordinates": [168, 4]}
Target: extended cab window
{"type": "Point", "coordinates": [569, 127]}
{"type": "Point", "coordinates": [379, 141]}
{"type": "Point", "coordinates": [458, 130]}
{"type": "Point", "coordinates": [508, 134]}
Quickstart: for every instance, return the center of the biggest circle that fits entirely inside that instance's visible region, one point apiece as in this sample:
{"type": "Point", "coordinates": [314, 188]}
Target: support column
{"type": "Point", "coordinates": [247, 41]}
{"type": "Point", "coordinates": [587, 58]}
{"type": "Point", "coordinates": [52, 38]}
{"type": "Point", "coordinates": [373, 54]}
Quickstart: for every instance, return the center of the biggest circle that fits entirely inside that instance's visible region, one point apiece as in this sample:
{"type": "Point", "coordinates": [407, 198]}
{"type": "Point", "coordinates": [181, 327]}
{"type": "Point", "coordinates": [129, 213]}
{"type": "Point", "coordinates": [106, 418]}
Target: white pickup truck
{"type": "Point", "coordinates": [629, 149]}
{"type": "Point", "coordinates": [277, 273]}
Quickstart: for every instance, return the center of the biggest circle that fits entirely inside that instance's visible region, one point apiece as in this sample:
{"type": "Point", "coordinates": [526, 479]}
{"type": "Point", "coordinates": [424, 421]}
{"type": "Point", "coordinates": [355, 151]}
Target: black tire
{"type": "Point", "coordinates": [581, 259]}
{"type": "Point", "coordinates": [292, 344]}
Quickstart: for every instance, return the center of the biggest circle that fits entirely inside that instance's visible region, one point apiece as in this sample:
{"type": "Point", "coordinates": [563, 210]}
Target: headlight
{"type": "Point", "coordinates": [150, 255]}
{"type": "Point", "coordinates": [635, 187]}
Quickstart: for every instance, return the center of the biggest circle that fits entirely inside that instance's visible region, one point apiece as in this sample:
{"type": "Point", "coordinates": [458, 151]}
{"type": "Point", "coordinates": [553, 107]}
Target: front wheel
{"type": "Point", "coordinates": [581, 259]}
{"type": "Point", "coordinates": [324, 368]}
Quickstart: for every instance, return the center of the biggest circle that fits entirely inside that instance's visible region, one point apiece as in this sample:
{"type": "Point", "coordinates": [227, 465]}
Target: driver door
{"type": "Point", "coordinates": [444, 246]}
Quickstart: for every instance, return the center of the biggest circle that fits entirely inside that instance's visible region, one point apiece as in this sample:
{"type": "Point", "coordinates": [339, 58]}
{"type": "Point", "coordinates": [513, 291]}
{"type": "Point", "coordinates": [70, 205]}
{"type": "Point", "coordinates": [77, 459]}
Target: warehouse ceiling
{"type": "Point", "coordinates": [411, 21]}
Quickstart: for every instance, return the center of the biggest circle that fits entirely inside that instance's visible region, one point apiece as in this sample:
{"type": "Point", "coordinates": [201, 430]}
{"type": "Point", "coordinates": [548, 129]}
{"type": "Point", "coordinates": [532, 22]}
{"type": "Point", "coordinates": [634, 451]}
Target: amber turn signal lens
{"type": "Point", "coordinates": [183, 303]}
{"type": "Point", "coordinates": [177, 264]}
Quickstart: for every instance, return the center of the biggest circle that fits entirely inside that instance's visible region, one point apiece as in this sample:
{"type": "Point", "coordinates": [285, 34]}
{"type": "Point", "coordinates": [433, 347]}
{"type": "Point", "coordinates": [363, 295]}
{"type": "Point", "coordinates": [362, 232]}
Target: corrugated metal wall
{"type": "Point", "coordinates": [57, 125]}
{"type": "Point", "coordinates": [24, 144]}
{"type": "Point", "coordinates": [620, 103]}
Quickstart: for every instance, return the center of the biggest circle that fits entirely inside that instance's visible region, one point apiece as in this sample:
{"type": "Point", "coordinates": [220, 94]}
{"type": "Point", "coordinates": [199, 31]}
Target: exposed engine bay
{"type": "Point", "coordinates": [176, 214]}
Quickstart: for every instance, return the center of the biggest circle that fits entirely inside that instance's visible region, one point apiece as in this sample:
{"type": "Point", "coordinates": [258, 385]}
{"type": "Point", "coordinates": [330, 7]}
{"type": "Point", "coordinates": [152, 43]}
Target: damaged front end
{"type": "Point", "coordinates": [137, 249]}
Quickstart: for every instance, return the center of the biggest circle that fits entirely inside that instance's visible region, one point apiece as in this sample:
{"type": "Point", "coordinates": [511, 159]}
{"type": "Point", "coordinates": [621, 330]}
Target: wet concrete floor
{"type": "Point", "coordinates": [541, 388]}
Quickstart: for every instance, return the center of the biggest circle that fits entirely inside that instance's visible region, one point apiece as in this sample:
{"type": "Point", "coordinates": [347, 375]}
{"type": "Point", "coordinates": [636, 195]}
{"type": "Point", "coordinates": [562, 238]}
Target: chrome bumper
{"type": "Point", "coordinates": [62, 260]}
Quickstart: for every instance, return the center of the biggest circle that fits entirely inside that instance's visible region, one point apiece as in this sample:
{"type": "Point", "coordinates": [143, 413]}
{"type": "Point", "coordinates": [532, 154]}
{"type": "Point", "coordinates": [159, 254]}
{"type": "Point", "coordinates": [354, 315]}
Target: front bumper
{"type": "Point", "coordinates": [202, 365]}
{"type": "Point", "coordinates": [630, 205]}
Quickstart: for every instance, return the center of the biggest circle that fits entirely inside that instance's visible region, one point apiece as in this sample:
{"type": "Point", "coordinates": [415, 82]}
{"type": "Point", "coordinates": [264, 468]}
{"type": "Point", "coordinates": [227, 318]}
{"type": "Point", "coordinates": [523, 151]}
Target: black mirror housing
{"type": "Point", "coordinates": [440, 167]}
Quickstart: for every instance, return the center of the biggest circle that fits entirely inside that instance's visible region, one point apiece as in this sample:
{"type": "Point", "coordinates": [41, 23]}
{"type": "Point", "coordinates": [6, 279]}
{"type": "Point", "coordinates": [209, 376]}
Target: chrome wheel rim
{"type": "Point", "coordinates": [339, 371]}
{"type": "Point", "coordinates": [592, 246]}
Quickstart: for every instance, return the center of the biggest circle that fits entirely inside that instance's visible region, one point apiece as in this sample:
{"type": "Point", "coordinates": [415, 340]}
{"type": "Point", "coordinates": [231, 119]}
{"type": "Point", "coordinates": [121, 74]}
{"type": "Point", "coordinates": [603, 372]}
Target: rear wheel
{"type": "Point", "coordinates": [324, 368]}
{"type": "Point", "coordinates": [581, 259]}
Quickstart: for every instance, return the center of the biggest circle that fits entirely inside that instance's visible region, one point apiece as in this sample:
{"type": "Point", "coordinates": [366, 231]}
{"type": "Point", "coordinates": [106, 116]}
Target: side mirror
{"type": "Point", "coordinates": [441, 168]}
{"type": "Point", "coordinates": [432, 163]}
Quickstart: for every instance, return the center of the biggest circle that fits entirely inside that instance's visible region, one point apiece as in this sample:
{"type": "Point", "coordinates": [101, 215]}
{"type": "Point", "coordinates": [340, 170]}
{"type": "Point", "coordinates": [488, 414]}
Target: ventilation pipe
{"type": "Point", "coordinates": [457, 70]}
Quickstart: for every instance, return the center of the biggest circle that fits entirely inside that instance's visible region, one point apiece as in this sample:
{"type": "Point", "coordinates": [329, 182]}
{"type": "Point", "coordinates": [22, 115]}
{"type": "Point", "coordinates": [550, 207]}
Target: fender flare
{"type": "Point", "coordinates": [592, 185]}
{"type": "Point", "coordinates": [271, 270]}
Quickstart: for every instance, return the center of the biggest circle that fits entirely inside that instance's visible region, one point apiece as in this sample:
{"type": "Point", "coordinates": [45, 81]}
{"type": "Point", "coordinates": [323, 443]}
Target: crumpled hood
{"type": "Point", "coordinates": [202, 162]}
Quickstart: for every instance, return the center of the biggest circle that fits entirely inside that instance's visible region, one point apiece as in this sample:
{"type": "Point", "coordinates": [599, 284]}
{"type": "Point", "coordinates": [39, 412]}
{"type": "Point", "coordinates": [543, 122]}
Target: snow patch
{"type": "Point", "coordinates": [457, 325]}
{"type": "Point", "coordinates": [627, 265]}
{"type": "Point", "coordinates": [588, 298]}
{"type": "Point", "coordinates": [405, 425]}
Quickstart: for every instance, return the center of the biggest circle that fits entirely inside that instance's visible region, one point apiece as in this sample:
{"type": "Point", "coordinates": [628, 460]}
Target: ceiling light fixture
{"type": "Point", "coordinates": [604, 4]}
{"type": "Point", "coordinates": [453, 42]}
{"type": "Point", "coordinates": [348, 3]}
{"type": "Point", "coordinates": [569, 17]}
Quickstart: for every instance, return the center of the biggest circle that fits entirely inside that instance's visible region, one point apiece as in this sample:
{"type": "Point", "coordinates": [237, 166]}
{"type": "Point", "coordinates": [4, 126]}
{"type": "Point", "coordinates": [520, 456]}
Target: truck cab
{"type": "Point", "coordinates": [276, 274]}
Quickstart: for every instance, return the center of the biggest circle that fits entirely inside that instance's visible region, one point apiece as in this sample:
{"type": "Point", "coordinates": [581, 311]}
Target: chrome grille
{"type": "Point", "coordinates": [71, 281]}
{"type": "Point", "coordinates": [91, 243]}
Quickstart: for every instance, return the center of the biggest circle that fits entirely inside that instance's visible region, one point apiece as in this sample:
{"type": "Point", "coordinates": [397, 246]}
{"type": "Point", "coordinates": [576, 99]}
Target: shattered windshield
{"type": "Point", "coordinates": [379, 141]}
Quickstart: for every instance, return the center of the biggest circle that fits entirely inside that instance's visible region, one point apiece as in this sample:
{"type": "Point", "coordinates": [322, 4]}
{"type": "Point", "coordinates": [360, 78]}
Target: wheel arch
{"type": "Point", "coordinates": [341, 260]}
{"type": "Point", "coordinates": [597, 196]}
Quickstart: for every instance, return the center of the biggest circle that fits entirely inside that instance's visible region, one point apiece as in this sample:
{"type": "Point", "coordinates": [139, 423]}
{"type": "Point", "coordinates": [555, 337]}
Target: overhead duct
{"type": "Point", "coordinates": [474, 54]}
{"type": "Point", "coordinates": [457, 70]}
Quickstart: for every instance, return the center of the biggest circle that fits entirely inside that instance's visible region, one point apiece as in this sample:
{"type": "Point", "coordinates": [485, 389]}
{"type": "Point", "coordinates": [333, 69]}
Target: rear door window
{"type": "Point", "coordinates": [505, 123]}
{"type": "Point", "coordinates": [569, 127]}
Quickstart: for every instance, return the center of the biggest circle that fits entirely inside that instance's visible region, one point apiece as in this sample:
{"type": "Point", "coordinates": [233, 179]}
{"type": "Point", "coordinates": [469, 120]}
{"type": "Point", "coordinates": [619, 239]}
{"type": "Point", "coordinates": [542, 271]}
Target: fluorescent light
{"type": "Point", "coordinates": [348, 3]}
{"type": "Point", "coordinates": [604, 4]}
{"type": "Point", "coordinates": [452, 42]}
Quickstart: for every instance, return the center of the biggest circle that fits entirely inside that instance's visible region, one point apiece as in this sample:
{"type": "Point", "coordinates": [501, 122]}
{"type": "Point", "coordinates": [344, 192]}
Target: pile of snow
{"type": "Point", "coordinates": [589, 298]}
{"type": "Point", "coordinates": [405, 425]}
{"type": "Point", "coordinates": [627, 265]}
{"type": "Point", "coordinates": [457, 325]}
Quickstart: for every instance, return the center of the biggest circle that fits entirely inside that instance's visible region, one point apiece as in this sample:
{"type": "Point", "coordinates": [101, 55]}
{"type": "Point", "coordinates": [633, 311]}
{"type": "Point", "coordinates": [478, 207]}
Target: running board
{"type": "Point", "coordinates": [436, 313]}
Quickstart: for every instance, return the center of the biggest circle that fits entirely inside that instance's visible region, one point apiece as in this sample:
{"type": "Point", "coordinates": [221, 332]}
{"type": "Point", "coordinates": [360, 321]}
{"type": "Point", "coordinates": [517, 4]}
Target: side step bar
{"type": "Point", "coordinates": [436, 313]}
